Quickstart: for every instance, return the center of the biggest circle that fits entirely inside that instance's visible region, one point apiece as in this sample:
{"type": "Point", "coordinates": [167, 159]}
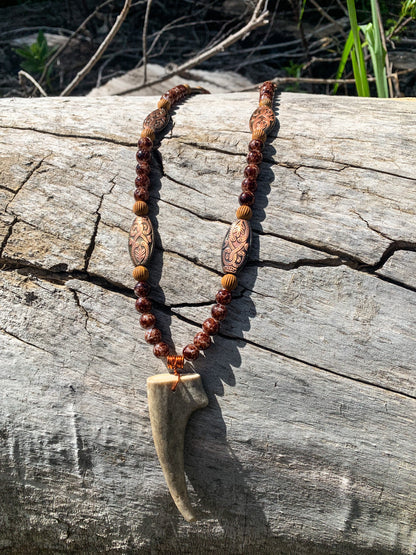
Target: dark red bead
{"type": "Point", "coordinates": [142, 181]}
{"type": "Point", "coordinates": [190, 352]}
{"type": "Point", "coordinates": [223, 296]}
{"type": "Point", "coordinates": [141, 289]}
{"type": "Point", "coordinates": [219, 312]}
{"type": "Point", "coordinates": [246, 198]}
{"type": "Point", "coordinates": [145, 143]}
{"type": "Point", "coordinates": [141, 193]}
{"type": "Point", "coordinates": [152, 336]}
{"type": "Point", "coordinates": [255, 144]}
{"type": "Point", "coordinates": [251, 171]}
{"type": "Point", "coordinates": [161, 349]}
{"type": "Point", "coordinates": [202, 340]}
{"type": "Point", "coordinates": [254, 157]}
{"type": "Point", "coordinates": [147, 320]}
{"type": "Point", "coordinates": [249, 185]}
{"type": "Point", "coordinates": [210, 326]}
{"type": "Point", "coordinates": [143, 304]}
{"type": "Point", "coordinates": [143, 155]}
{"type": "Point", "coordinates": [142, 168]}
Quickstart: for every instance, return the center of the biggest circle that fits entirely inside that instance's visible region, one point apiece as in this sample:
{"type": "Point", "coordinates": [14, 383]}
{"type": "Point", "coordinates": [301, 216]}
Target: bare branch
{"type": "Point", "coordinates": [102, 48]}
{"type": "Point", "coordinates": [32, 80]}
{"type": "Point", "coordinates": [144, 40]}
{"type": "Point", "coordinates": [258, 19]}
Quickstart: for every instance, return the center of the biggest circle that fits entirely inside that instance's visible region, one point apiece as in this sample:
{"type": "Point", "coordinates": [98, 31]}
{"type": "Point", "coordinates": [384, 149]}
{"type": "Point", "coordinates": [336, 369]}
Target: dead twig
{"type": "Point", "coordinates": [102, 48]}
{"type": "Point", "coordinates": [326, 15]}
{"type": "Point", "coordinates": [144, 40]}
{"type": "Point", "coordinates": [258, 19]}
{"type": "Point", "coordinates": [23, 73]}
{"type": "Point", "coordinates": [306, 81]}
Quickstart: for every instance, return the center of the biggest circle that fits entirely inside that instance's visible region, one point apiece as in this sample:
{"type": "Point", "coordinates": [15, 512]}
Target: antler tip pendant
{"type": "Point", "coordinates": [170, 408]}
{"type": "Point", "coordinates": [173, 397]}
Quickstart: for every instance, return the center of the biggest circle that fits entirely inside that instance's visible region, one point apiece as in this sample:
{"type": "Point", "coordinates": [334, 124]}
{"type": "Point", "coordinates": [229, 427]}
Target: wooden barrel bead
{"type": "Point", "coordinates": [157, 120]}
{"type": "Point", "coordinates": [141, 240]}
{"type": "Point", "coordinates": [266, 101]}
{"type": "Point", "coordinates": [229, 282]}
{"type": "Point", "coordinates": [257, 134]}
{"type": "Point", "coordinates": [244, 212]}
{"type": "Point", "coordinates": [141, 273]}
{"type": "Point", "coordinates": [140, 208]}
{"type": "Point", "coordinates": [262, 119]}
{"type": "Point", "coordinates": [235, 246]}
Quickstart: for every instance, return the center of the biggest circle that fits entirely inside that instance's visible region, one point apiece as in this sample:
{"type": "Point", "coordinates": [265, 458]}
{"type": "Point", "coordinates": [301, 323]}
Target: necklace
{"type": "Point", "coordinates": [175, 395]}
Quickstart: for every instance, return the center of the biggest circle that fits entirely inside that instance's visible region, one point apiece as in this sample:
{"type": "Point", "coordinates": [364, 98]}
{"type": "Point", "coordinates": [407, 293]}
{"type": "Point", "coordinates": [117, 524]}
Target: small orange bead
{"type": "Point", "coordinates": [229, 282]}
{"type": "Point", "coordinates": [140, 208]}
{"type": "Point", "coordinates": [265, 102]}
{"type": "Point", "coordinates": [147, 132]}
{"type": "Point", "coordinates": [140, 273]}
{"type": "Point", "coordinates": [260, 135]}
{"type": "Point", "coordinates": [244, 212]}
{"type": "Point", "coordinates": [164, 103]}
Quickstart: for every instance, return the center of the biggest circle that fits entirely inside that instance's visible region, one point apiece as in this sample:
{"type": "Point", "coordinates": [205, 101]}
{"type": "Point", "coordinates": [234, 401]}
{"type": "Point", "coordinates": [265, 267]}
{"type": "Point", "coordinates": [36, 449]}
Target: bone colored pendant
{"type": "Point", "coordinates": [141, 240]}
{"type": "Point", "coordinates": [169, 413]}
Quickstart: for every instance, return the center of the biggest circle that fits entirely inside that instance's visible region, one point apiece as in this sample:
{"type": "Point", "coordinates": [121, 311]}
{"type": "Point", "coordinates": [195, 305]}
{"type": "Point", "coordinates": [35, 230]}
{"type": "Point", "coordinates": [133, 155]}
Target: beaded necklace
{"type": "Point", "coordinates": [169, 413]}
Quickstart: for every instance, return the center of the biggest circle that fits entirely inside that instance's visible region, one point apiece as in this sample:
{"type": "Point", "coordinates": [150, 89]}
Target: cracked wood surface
{"type": "Point", "coordinates": [307, 445]}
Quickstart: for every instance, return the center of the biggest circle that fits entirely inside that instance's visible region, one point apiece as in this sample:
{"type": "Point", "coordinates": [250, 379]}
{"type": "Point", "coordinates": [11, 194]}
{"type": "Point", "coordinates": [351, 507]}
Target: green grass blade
{"type": "Point", "coordinates": [346, 52]}
{"type": "Point", "coordinates": [360, 71]}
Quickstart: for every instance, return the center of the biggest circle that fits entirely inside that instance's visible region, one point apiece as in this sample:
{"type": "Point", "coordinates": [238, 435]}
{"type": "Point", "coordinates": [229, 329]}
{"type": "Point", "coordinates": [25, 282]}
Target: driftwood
{"type": "Point", "coordinates": [308, 442]}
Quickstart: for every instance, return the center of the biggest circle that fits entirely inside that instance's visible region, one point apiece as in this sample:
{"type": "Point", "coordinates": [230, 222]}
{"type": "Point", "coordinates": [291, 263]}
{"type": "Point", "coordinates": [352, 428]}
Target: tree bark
{"type": "Point", "coordinates": [307, 445]}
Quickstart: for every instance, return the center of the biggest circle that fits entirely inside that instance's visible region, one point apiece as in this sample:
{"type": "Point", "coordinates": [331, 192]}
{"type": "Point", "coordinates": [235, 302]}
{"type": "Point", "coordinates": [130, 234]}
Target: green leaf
{"type": "Point", "coordinates": [359, 63]}
{"type": "Point", "coordinates": [346, 52]}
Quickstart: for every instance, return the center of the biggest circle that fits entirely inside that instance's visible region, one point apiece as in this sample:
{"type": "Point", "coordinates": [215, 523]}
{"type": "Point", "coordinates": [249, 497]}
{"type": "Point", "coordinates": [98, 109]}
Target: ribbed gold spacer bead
{"type": "Point", "coordinates": [140, 208]}
{"type": "Point", "coordinates": [244, 212]}
{"type": "Point", "coordinates": [229, 282]}
{"type": "Point", "coordinates": [266, 102]}
{"type": "Point", "coordinates": [164, 103]}
{"type": "Point", "coordinates": [141, 273]}
{"type": "Point", "coordinates": [147, 132]}
{"type": "Point", "coordinates": [260, 135]}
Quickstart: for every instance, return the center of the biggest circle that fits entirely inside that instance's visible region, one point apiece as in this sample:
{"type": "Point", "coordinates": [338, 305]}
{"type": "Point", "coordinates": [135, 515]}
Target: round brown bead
{"type": "Point", "coordinates": [140, 208]}
{"type": "Point", "coordinates": [145, 143]}
{"type": "Point", "coordinates": [255, 144]}
{"type": "Point", "coordinates": [251, 171]}
{"type": "Point", "coordinates": [223, 296]}
{"type": "Point", "coordinates": [249, 185]}
{"type": "Point", "coordinates": [142, 168]}
{"type": "Point", "coordinates": [210, 326]}
{"type": "Point", "coordinates": [142, 180]}
{"type": "Point", "coordinates": [161, 349]}
{"type": "Point", "coordinates": [202, 340]}
{"type": "Point", "coordinates": [141, 193]}
{"type": "Point", "coordinates": [229, 282]}
{"type": "Point", "coordinates": [246, 198]}
{"type": "Point", "coordinates": [219, 312]}
{"type": "Point", "coordinates": [190, 352]}
{"type": "Point", "coordinates": [153, 335]}
{"type": "Point", "coordinates": [141, 289]}
{"type": "Point", "coordinates": [143, 304]}
{"type": "Point", "coordinates": [254, 157]}
{"type": "Point", "coordinates": [244, 212]}
{"type": "Point", "coordinates": [147, 320]}
{"type": "Point", "coordinates": [141, 273]}
{"type": "Point", "coordinates": [143, 155]}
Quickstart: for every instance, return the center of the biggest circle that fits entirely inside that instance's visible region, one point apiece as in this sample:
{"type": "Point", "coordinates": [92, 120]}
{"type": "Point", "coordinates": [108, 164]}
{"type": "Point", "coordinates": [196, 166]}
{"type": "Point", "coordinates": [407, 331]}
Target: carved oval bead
{"type": "Point", "coordinates": [262, 119]}
{"type": "Point", "coordinates": [235, 246]}
{"type": "Point", "coordinates": [157, 120]}
{"type": "Point", "coordinates": [141, 240]}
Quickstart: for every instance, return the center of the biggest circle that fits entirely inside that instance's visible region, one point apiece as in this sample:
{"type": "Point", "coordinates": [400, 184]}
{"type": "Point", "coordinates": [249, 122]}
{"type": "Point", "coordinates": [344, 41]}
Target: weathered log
{"type": "Point", "coordinates": [307, 445]}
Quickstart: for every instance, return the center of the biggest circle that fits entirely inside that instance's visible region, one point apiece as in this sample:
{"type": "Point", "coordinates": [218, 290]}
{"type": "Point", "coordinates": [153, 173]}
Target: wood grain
{"type": "Point", "coordinates": [307, 445]}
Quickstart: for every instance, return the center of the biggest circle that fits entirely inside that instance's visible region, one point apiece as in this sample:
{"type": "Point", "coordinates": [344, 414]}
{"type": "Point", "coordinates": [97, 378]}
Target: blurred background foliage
{"type": "Point", "coordinates": [307, 44]}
